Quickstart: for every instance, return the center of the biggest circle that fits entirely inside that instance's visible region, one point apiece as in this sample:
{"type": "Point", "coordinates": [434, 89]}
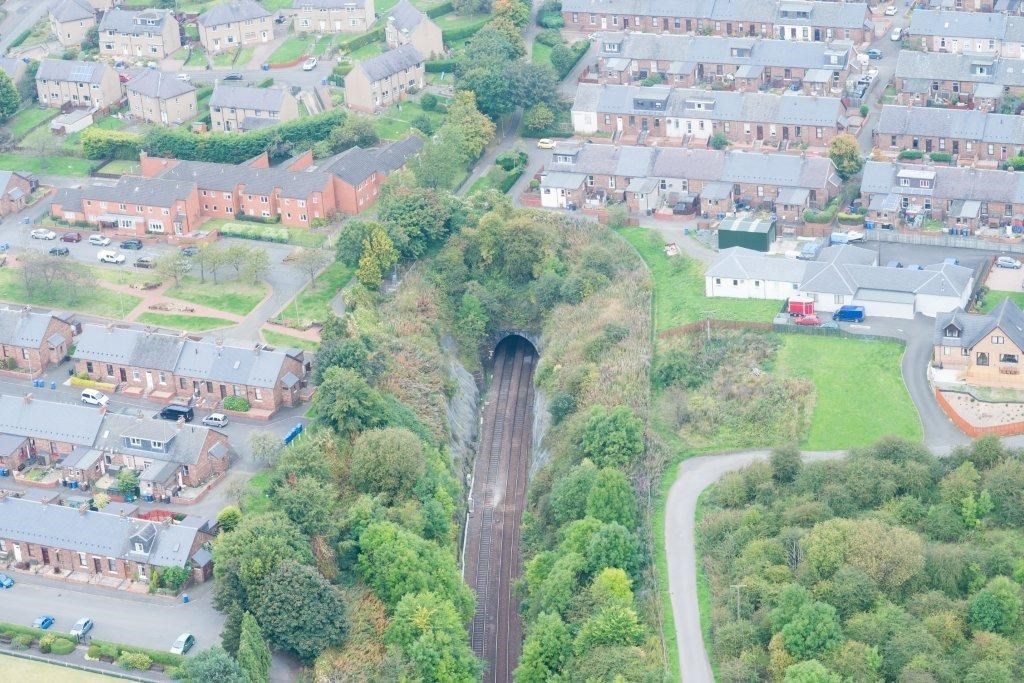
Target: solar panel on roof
{"type": "Point", "coordinates": [81, 72]}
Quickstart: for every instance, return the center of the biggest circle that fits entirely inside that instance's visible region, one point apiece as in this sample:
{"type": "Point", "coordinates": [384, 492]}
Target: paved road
{"type": "Point", "coordinates": [21, 15]}
{"type": "Point", "coordinates": [886, 68]}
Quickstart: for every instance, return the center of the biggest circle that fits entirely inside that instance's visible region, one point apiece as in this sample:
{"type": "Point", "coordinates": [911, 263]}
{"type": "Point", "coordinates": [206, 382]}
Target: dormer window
{"type": "Point", "coordinates": [952, 332]}
{"type": "Point", "coordinates": [611, 47]}
{"type": "Point", "coordinates": [156, 444]}
{"type": "Point", "coordinates": [132, 441]}
{"type": "Point", "coordinates": [139, 548]}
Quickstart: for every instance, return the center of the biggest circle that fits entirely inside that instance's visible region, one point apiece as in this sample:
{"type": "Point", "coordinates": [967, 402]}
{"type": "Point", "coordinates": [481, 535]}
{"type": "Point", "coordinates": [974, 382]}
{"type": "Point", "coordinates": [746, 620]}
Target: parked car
{"type": "Point", "coordinates": [280, 19]}
{"type": "Point", "coordinates": [108, 256]}
{"type": "Point", "coordinates": [684, 208]}
{"type": "Point", "coordinates": [183, 644]}
{"type": "Point", "coordinates": [545, 143]}
{"type": "Point", "coordinates": [145, 262]}
{"type": "Point", "coordinates": [810, 320]}
{"type": "Point", "coordinates": [849, 314]}
{"type": "Point", "coordinates": [233, 76]}
{"type": "Point", "coordinates": [133, 244]}
{"type": "Point", "coordinates": [184, 77]}
{"type": "Point", "coordinates": [6, 581]}
{"type": "Point", "coordinates": [75, 237]}
{"type": "Point", "coordinates": [99, 240]}
{"type": "Point", "coordinates": [174, 411]}
{"type": "Point", "coordinates": [875, 53]}
{"type": "Point", "coordinates": [896, 35]}
{"type": "Point", "coordinates": [81, 627]}
{"type": "Point", "coordinates": [43, 234]}
{"type": "Point", "coordinates": [94, 397]}
{"type": "Point", "coordinates": [124, 78]}
{"type": "Point", "coordinates": [890, 11]}
{"type": "Point", "coordinates": [216, 420]}
{"type": "Point", "coordinates": [60, 251]}
{"type": "Point", "coordinates": [44, 622]}
{"type": "Point", "coordinates": [1007, 262]}
{"type": "Point", "coordinates": [189, 250]}
{"type": "Point", "coordinates": [309, 64]}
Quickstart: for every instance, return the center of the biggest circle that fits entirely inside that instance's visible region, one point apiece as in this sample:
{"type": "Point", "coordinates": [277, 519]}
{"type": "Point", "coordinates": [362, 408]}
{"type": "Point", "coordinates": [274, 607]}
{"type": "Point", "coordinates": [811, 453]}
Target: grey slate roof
{"type": "Point", "coordinates": [357, 164]}
{"type": "Point", "coordinates": [245, 97]}
{"type": "Point", "coordinates": [1006, 317]}
{"type": "Point", "coordinates": [950, 182]}
{"type": "Point", "coordinates": [232, 11]}
{"type": "Point", "coordinates": [691, 49]}
{"type": "Point", "coordinates": [405, 17]}
{"type": "Point", "coordinates": [391, 62]}
{"type": "Point", "coordinates": [68, 423]}
{"type": "Point", "coordinates": [156, 83]}
{"type": "Point", "coordinates": [985, 25]}
{"type": "Point", "coordinates": [129, 189]}
{"type": "Point", "coordinates": [967, 124]}
{"type": "Point", "coordinates": [184, 444]}
{"type": "Point", "coordinates": [15, 68]}
{"type": "Point", "coordinates": [136, 23]}
{"type": "Point", "coordinates": [262, 181]}
{"type": "Point", "coordinates": [829, 14]}
{"type": "Point", "coordinates": [747, 264]}
{"type": "Point", "coordinates": [10, 443]}
{"type": "Point", "coordinates": [830, 277]}
{"type": "Point", "coordinates": [230, 364]}
{"type": "Point", "coordinates": [72, 70]}
{"type": "Point", "coordinates": [327, 4]}
{"type": "Point", "coordinates": [72, 10]}
{"type": "Point", "coordinates": [943, 66]}
{"type": "Point", "coordinates": [19, 327]}
{"type": "Point", "coordinates": [124, 346]}
{"type": "Point", "coordinates": [719, 105]}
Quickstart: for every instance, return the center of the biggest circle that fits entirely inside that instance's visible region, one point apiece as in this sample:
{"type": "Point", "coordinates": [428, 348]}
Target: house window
{"type": "Point", "coordinates": [982, 358]}
{"type": "Point", "coordinates": [139, 548]}
{"type": "Point", "coordinates": [163, 377]}
{"type": "Point", "coordinates": [111, 564]}
{"type": "Point", "coordinates": [134, 441]}
{"type": "Point", "coordinates": [996, 339]}
{"type": "Point", "coordinates": [611, 182]}
{"type": "Point", "coordinates": [156, 444]}
{"type": "Point", "coordinates": [757, 283]}
{"type": "Point", "coordinates": [1007, 358]}
{"type": "Point", "coordinates": [81, 560]}
{"type": "Point", "coordinates": [110, 370]}
{"type": "Point", "coordinates": [838, 299]}
{"type": "Point", "coordinates": [257, 394]}
{"type": "Point", "coordinates": [945, 350]}
{"type": "Point", "coordinates": [135, 374]}
{"type": "Point", "coordinates": [735, 283]}
{"type": "Point", "coordinates": [88, 367]}
{"type": "Point", "coordinates": [952, 331]}
{"type": "Point", "coordinates": [965, 352]}
{"type": "Point", "coordinates": [3, 546]}
{"type": "Point", "coordinates": [718, 280]}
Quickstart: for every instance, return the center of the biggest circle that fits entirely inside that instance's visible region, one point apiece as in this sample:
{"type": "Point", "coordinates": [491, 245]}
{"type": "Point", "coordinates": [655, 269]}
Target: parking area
{"type": "Point", "coordinates": [1006, 279]}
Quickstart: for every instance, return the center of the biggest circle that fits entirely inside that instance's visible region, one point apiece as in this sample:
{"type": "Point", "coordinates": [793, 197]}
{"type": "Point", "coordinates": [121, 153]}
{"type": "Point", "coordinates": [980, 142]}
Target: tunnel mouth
{"type": "Point", "coordinates": [508, 343]}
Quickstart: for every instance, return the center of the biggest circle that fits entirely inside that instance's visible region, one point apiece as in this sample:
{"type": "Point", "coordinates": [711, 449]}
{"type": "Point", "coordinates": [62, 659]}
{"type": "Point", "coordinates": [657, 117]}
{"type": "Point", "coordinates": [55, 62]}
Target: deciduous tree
{"type": "Point", "coordinates": [844, 151]}
{"type": "Point", "coordinates": [379, 256]}
{"type": "Point", "coordinates": [997, 607]}
{"type": "Point", "coordinates": [387, 461]}
{"type": "Point", "coordinates": [612, 438]}
{"type": "Point", "coordinates": [429, 632]}
{"type": "Point", "coordinates": [211, 665]}
{"type": "Point", "coordinates": [813, 631]}
{"type": "Point", "coordinates": [310, 262]}
{"type": "Point", "coordinates": [612, 499]}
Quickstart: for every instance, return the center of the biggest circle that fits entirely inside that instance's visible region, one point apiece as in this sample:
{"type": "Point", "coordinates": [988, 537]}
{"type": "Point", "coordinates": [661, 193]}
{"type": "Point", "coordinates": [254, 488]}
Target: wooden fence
{"type": "Point", "coordinates": [972, 430]}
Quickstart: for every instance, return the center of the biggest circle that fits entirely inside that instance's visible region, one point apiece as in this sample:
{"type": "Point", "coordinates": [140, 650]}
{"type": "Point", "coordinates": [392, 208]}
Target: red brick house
{"type": "Point", "coordinates": [32, 341]}
{"type": "Point", "coordinates": [134, 206]}
{"type": "Point", "coordinates": [30, 428]}
{"type": "Point", "coordinates": [15, 190]}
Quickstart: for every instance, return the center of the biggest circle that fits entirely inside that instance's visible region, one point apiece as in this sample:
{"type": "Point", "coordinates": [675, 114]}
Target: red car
{"type": "Point", "coordinates": [71, 237]}
{"type": "Point", "coordinates": [811, 320]}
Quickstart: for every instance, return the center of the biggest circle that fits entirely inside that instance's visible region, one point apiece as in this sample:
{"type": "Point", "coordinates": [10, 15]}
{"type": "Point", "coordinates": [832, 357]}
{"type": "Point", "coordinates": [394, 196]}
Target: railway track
{"type": "Point", "coordinates": [498, 495]}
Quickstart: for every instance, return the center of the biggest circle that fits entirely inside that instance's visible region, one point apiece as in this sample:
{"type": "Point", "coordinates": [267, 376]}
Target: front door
{"type": "Point", "coordinates": [16, 547]}
{"type": "Point", "coordinates": [223, 391]}
{"type": "Point", "coordinates": [817, 34]}
{"type": "Point", "coordinates": [928, 145]}
{"type": "Point", "coordinates": [46, 556]}
{"type": "Point", "coordinates": [97, 567]}
{"type": "Point", "coordinates": [604, 23]}
{"type": "Point", "coordinates": [124, 375]}
{"type": "Point", "coordinates": [149, 380]}
{"type": "Point", "coordinates": [664, 24]}
{"type": "Point", "coordinates": [785, 132]}
{"type": "Point", "coordinates": [760, 132]}
{"type": "Point", "coordinates": [956, 146]}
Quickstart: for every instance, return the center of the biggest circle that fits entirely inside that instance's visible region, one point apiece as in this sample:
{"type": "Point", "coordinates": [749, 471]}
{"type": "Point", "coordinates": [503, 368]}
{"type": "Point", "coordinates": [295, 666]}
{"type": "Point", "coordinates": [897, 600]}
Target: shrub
{"type": "Point", "coordinates": [238, 403]}
{"type": "Point", "coordinates": [23, 641]}
{"type": "Point", "coordinates": [550, 37]}
{"type": "Point", "coordinates": [552, 20]}
{"type": "Point", "coordinates": [851, 218]}
{"type": "Point", "coordinates": [428, 102]}
{"type": "Point", "coordinates": [46, 642]}
{"type": "Point", "coordinates": [109, 650]}
{"type": "Point", "coordinates": [436, 66]}
{"type": "Point", "coordinates": [911, 154]}
{"type": "Point", "coordinates": [941, 157]}
{"type": "Point", "coordinates": [134, 660]}
{"type": "Point", "coordinates": [62, 646]}
{"type": "Point", "coordinates": [864, 110]}
{"type": "Point", "coordinates": [175, 577]}
{"type": "Point", "coordinates": [451, 35]}
{"type": "Point", "coordinates": [94, 651]}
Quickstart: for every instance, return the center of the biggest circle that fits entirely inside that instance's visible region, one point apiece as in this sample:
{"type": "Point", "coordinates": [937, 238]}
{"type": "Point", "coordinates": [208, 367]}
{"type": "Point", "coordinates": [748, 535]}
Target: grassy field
{"type": "Point", "coordinates": [46, 165]}
{"type": "Point", "coordinates": [275, 5]}
{"type": "Point", "coordinates": [27, 671]}
{"type": "Point", "coordinates": [92, 300]}
{"type": "Point", "coordinates": [679, 288]}
{"type": "Point", "coordinates": [856, 383]}
{"type": "Point", "coordinates": [231, 297]}
{"type": "Point", "coordinates": [367, 51]}
{"type": "Point", "coordinates": [122, 276]}
{"type": "Point", "coordinates": [394, 124]}
{"type": "Point", "coordinates": [996, 297]}
{"type": "Point", "coordinates": [255, 500]}
{"type": "Point", "coordinates": [453, 20]}
{"type": "Point", "coordinates": [313, 304]}
{"type": "Point", "coordinates": [28, 118]}
{"type": "Point", "coordinates": [285, 340]}
{"type": "Point", "coordinates": [291, 49]}
{"type": "Point", "coordinates": [197, 57]}
{"type": "Point", "coordinates": [189, 323]}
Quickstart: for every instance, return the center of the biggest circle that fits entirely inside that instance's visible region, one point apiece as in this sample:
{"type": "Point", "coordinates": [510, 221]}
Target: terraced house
{"type": "Point", "coordinates": [31, 342]}
{"type": "Point", "coordinates": [687, 116]}
{"type": "Point", "coordinates": [649, 178]}
{"type": "Point", "coordinates": [89, 85]}
{"type": "Point", "coordinates": [43, 431]}
{"type": "Point", "coordinates": [204, 369]}
{"type": "Point", "coordinates": [787, 20]}
{"type": "Point", "coordinates": [747, 64]}
{"type": "Point", "coordinates": [133, 206]}
{"type": "Point", "coordinates": [407, 25]}
{"type": "Point", "coordinates": [333, 16]}
{"type": "Point", "coordinates": [969, 135]}
{"type": "Point", "coordinates": [148, 34]}
{"type": "Point", "coordinates": [378, 82]}
{"type": "Point", "coordinates": [967, 198]}
{"type": "Point", "coordinates": [237, 108]}
{"type": "Point", "coordinates": [157, 97]}
{"type": "Point", "coordinates": [233, 24]}
{"type": "Point", "coordinates": [982, 80]}
{"type": "Point", "coordinates": [71, 20]}
{"type": "Point", "coordinates": [967, 32]}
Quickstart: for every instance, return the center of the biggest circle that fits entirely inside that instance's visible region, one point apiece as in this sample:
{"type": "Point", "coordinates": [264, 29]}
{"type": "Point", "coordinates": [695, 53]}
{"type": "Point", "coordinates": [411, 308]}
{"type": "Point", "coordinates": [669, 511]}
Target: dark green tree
{"type": "Point", "coordinates": [345, 402]}
{"type": "Point", "coordinates": [997, 607]}
{"type": "Point", "coordinates": [309, 503]}
{"type": "Point", "coordinates": [614, 625]}
{"type": "Point", "coordinates": [814, 631]}
{"type": "Point", "coordinates": [786, 464]}
{"type": "Point", "coordinates": [612, 438]}
{"type": "Point", "coordinates": [387, 461]}
{"type": "Point", "coordinates": [10, 100]}
{"type": "Point", "coordinates": [229, 518]}
{"type": "Point", "coordinates": [253, 653]}
{"type": "Point", "coordinates": [811, 671]}
{"type": "Point", "coordinates": [429, 632]}
{"type": "Point", "coordinates": [612, 499]}
{"type": "Point", "coordinates": [569, 494]}
{"type": "Point", "coordinates": [546, 651]}
{"type": "Point", "coordinates": [211, 665]}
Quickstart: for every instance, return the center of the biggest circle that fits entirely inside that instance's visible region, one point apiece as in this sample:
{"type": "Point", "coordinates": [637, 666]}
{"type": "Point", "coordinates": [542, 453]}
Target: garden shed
{"type": "Point", "coordinates": [748, 232]}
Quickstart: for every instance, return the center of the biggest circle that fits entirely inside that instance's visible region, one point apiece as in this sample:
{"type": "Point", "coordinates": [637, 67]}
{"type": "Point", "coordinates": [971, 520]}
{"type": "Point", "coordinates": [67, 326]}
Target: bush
{"type": "Point", "coordinates": [864, 110]}
{"type": "Point", "coordinates": [551, 20]}
{"type": "Point", "coordinates": [175, 577]}
{"type": "Point", "coordinates": [94, 651]}
{"type": "Point", "coordinates": [451, 35]}
{"type": "Point", "coordinates": [428, 102]}
{"type": "Point", "coordinates": [850, 218]}
{"type": "Point", "coordinates": [23, 641]}
{"type": "Point", "coordinates": [134, 660]}
{"type": "Point", "coordinates": [263, 234]}
{"type": "Point", "coordinates": [826, 216]}
{"type": "Point", "coordinates": [63, 646]}
{"type": "Point", "coordinates": [551, 37]}
{"type": "Point", "coordinates": [98, 143]}
{"type": "Point", "coordinates": [941, 157]}
{"type": "Point", "coordinates": [911, 154]}
{"type": "Point", "coordinates": [237, 403]}
{"type": "Point", "coordinates": [46, 642]}
{"type": "Point", "coordinates": [1016, 163]}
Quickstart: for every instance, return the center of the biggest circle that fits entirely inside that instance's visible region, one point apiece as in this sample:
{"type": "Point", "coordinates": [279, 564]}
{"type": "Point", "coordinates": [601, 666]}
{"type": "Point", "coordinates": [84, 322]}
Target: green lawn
{"type": "Point", "coordinates": [453, 20]}
{"type": "Point", "coordinates": [322, 43]}
{"type": "Point", "coordinates": [394, 124]}
{"type": "Point", "coordinates": [859, 391]}
{"type": "Point", "coordinates": [122, 166]}
{"type": "Point", "coordinates": [46, 165]}
{"type": "Point", "coordinates": [94, 300]}
{"type": "Point", "coordinates": [996, 297]}
{"type": "Point", "coordinates": [679, 288]}
{"type": "Point", "coordinates": [275, 5]}
{"type": "Point", "coordinates": [28, 118]}
{"type": "Point", "coordinates": [197, 57]}
{"type": "Point", "coordinates": [291, 49]}
{"type": "Point", "coordinates": [301, 237]}
{"type": "Point", "coordinates": [313, 304]}
{"type": "Point", "coordinates": [367, 51]}
{"type": "Point", "coordinates": [29, 671]}
{"type": "Point", "coordinates": [240, 57]}
{"type": "Point", "coordinates": [286, 340]}
{"type": "Point", "coordinates": [231, 297]}
{"type": "Point", "coordinates": [541, 54]}
{"type": "Point", "coordinates": [255, 499]}
{"type": "Point", "coordinates": [189, 323]}
{"type": "Point", "coordinates": [122, 275]}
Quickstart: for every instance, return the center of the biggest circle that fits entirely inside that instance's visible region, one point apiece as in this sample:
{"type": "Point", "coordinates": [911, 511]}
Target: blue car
{"type": "Point", "coordinates": [43, 622]}
{"type": "Point", "coordinates": [6, 581]}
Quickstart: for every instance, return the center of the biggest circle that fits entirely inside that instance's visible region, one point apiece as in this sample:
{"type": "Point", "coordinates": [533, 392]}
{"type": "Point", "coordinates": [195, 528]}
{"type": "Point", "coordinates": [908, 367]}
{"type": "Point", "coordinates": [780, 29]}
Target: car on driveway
{"type": "Point", "coordinates": [145, 262]}
{"type": "Point", "coordinates": [183, 644]}
{"type": "Point", "coordinates": [43, 234]}
{"type": "Point", "coordinates": [545, 143]}
{"type": "Point", "coordinates": [216, 420]}
{"type": "Point", "coordinates": [309, 64]}
{"type": "Point", "coordinates": [94, 397]}
{"type": "Point", "coordinates": [6, 581]}
{"type": "Point", "coordinates": [75, 237]}
{"type": "Point", "coordinates": [189, 250]}
{"type": "Point", "coordinates": [875, 53]}
{"type": "Point", "coordinates": [81, 627]}
{"type": "Point", "coordinates": [809, 320]}
{"type": "Point", "coordinates": [233, 76]}
{"type": "Point", "coordinates": [131, 244]}
{"type": "Point", "coordinates": [60, 251]}
{"type": "Point", "coordinates": [99, 240]}
{"type": "Point", "coordinates": [184, 77]}
{"type": "Point", "coordinates": [1007, 262]}
{"type": "Point", "coordinates": [44, 622]}
{"type": "Point", "coordinates": [896, 35]}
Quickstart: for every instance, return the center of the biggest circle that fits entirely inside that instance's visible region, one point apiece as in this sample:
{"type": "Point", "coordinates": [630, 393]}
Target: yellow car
{"type": "Point", "coordinates": [545, 143]}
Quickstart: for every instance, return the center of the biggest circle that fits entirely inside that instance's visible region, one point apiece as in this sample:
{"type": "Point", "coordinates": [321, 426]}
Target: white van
{"type": "Point", "coordinates": [108, 256]}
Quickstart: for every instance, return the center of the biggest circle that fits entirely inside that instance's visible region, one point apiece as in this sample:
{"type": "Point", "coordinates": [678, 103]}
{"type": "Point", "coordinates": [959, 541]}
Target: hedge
{"type": "Point", "coordinates": [115, 651]}
{"type": "Point", "coordinates": [440, 10]}
{"type": "Point", "coordinates": [62, 646]}
{"type": "Point", "coordinates": [452, 34]}
{"type": "Point", "coordinates": [436, 66]}
{"type": "Point", "coordinates": [826, 216]}
{"type": "Point", "coordinates": [550, 20]}
{"type": "Point", "coordinates": [237, 403]}
{"type": "Point", "coordinates": [99, 143]}
{"type": "Point", "coordinates": [850, 218]}
{"type": "Point", "coordinates": [256, 232]}
{"type": "Point", "coordinates": [941, 157]}
{"type": "Point", "coordinates": [510, 180]}
{"type": "Point", "coordinates": [134, 660]}
{"type": "Point", "coordinates": [1015, 163]}
{"type": "Point", "coordinates": [77, 381]}
{"type": "Point", "coordinates": [22, 37]}
{"type": "Point", "coordinates": [353, 44]}
{"type": "Point", "coordinates": [911, 154]}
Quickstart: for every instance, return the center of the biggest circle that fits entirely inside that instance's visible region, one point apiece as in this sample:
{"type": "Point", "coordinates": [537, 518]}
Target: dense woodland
{"type": "Point", "coordinates": [891, 564]}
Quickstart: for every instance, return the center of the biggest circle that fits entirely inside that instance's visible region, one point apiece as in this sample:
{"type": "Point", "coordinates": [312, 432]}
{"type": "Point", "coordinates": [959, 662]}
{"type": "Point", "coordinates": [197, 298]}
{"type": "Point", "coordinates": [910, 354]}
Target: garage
{"type": "Point", "coordinates": [751, 233]}
{"type": "Point", "coordinates": [886, 304]}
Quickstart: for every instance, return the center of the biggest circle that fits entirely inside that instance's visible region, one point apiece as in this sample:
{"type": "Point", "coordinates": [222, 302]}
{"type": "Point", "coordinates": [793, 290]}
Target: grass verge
{"type": "Point", "coordinates": [92, 300]}
{"type": "Point", "coordinates": [313, 303]}
{"type": "Point", "coordinates": [855, 382]}
{"type": "Point", "coordinates": [996, 297]}
{"type": "Point", "coordinates": [394, 124]}
{"type": "Point", "coordinates": [47, 164]}
{"type": "Point", "coordinates": [189, 323]}
{"type": "Point", "coordinates": [231, 297]}
{"type": "Point", "coordinates": [282, 340]}
{"type": "Point", "coordinates": [18, 669]}
{"type": "Point", "coordinates": [291, 49]}
{"type": "Point", "coordinates": [255, 499]}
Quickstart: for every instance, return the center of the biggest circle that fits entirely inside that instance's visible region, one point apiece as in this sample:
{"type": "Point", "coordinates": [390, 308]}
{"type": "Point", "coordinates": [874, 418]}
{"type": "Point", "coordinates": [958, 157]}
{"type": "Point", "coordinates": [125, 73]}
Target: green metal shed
{"type": "Point", "coordinates": [745, 231]}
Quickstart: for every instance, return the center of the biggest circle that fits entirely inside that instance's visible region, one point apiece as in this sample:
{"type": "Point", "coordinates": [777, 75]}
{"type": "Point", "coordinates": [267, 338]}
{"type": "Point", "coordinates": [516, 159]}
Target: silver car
{"type": "Point", "coordinates": [1007, 262]}
{"type": "Point", "coordinates": [81, 627]}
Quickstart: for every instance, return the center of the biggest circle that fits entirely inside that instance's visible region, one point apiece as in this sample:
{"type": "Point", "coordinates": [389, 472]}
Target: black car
{"type": "Point", "coordinates": [145, 262]}
{"type": "Point", "coordinates": [233, 76]}
{"type": "Point", "coordinates": [280, 19]}
{"type": "Point", "coordinates": [189, 251]}
{"type": "Point", "coordinates": [132, 244]}
{"type": "Point", "coordinates": [60, 251]}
